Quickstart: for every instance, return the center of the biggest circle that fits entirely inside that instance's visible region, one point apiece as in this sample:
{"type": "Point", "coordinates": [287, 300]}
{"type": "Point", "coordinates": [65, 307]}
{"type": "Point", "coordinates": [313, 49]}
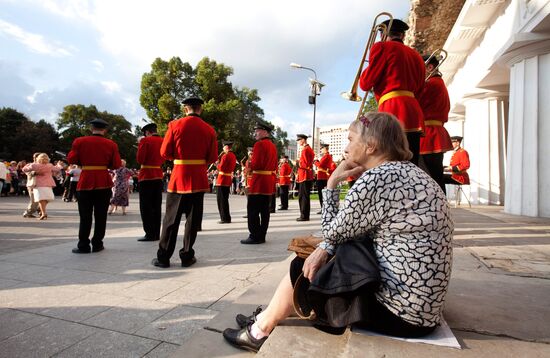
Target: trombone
{"type": "Point", "coordinates": [377, 28]}
{"type": "Point", "coordinates": [439, 55]}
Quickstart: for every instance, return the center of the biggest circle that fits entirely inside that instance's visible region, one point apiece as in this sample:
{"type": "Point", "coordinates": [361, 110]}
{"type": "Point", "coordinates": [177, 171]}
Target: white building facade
{"type": "Point", "coordinates": [337, 139]}
{"type": "Point", "coordinates": [498, 77]}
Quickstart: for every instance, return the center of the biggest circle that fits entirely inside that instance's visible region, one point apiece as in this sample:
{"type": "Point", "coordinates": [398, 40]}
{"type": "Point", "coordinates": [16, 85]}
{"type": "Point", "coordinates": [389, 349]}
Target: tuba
{"type": "Point", "coordinates": [440, 55]}
{"type": "Point", "coordinates": [378, 28]}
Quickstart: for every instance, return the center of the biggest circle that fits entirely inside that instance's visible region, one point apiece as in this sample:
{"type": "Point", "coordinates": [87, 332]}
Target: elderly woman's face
{"type": "Point", "coordinates": [356, 151]}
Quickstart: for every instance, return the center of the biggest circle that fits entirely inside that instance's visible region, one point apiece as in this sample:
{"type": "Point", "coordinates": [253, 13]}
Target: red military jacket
{"type": "Point", "coordinates": [95, 154]}
{"type": "Point", "coordinates": [324, 167]}
{"type": "Point", "coordinates": [460, 163]}
{"type": "Point", "coordinates": [192, 144]}
{"type": "Point", "coordinates": [435, 104]}
{"type": "Point", "coordinates": [284, 174]}
{"type": "Point", "coordinates": [305, 164]}
{"type": "Point", "coordinates": [263, 166]}
{"type": "Point", "coordinates": [396, 67]}
{"type": "Point", "coordinates": [148, 155]}
{"type": "Point", "coordinates": [225, 169]}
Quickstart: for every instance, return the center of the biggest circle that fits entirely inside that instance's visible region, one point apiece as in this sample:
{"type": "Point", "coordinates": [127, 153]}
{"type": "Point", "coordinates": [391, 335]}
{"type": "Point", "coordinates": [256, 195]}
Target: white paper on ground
{"type": "Point", "coordinates": [442, 336]}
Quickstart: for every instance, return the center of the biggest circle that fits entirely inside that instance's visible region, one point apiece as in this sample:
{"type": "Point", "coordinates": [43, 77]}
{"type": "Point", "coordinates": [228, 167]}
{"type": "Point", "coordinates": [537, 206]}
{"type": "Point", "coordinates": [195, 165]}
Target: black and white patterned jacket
{"type": "Point", "coordinates": [407, 215]}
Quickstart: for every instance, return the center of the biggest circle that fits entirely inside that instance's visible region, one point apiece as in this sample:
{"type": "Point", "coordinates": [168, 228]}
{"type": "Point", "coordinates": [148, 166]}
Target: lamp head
{"type": "Point", "coordinates": [295, 65]}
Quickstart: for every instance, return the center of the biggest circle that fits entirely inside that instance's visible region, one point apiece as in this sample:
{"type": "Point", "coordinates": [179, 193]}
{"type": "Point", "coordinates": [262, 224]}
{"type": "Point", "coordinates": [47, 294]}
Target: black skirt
{"type": "Point", "coordinates": [343, 292]}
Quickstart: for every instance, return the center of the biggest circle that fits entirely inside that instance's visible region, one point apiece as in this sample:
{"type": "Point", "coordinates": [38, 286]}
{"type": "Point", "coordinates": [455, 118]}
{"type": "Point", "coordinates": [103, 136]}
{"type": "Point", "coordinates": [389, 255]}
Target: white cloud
{"type": "Point", "coordinates": [111, 86]}
{"type": "Point", "coordinates": [34, 42]}
{"type": "Point", "coordinates": [98, 66]}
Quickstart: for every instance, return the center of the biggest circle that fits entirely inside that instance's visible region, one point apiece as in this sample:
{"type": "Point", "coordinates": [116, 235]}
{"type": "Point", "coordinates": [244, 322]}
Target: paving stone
{"type": "Point", "coordinates": [163, 350]}
{"type": "Point", "coordinates": [210, 344]}
{"type": "Point", "coordinates": [153, 289]}
{"type": "Point", "coordinates": [46, 339]}
{"type": "Point", "coordinates": [110, 344]}
{"type": "Point", "coordinates": [15, 322]}
{"type": "Point", "coordinates": [130, 315]}
{"type": "Point", "coordinates": [83, 307]}
{"type": "Point", "coordinates": [6, 283]}
{"type": "Point", "coordinates": [34, 273]}
{"type": "Point", "coordinates": [32, 297]}
{"type": "Point", "coordinates": [473, 345]}
{"type": "Point", "coordinates": [201, 294]}
{"type": "Point", "coordinates": [177, 325]}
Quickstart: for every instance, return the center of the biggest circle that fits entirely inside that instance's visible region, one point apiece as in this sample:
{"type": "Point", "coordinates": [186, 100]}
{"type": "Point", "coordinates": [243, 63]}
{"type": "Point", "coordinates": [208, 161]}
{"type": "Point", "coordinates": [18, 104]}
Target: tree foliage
{"type": "Point", "coordinates": [232, 111]}
{"type": "Point", "coordinates": [21, 137]}
{"type": "Point", "coordinates": [73, 122]}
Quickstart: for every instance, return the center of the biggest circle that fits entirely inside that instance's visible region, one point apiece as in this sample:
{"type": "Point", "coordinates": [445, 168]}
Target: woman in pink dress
{"type": "Point", "coordinates": [43, 173]}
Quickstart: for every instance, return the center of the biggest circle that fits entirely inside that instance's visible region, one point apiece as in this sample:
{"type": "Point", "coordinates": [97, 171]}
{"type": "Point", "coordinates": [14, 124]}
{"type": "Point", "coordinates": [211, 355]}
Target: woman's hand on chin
{"type": "Point", "coordinates": [343, 171]}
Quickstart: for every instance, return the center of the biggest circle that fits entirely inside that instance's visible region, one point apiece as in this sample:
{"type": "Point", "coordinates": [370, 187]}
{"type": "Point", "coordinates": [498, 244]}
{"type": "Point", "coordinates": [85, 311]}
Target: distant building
{"type": "Point", "coordinates": [337, 139]}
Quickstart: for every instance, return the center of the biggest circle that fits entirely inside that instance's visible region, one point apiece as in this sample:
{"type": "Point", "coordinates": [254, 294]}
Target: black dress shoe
{"type": "Point", "coordinates": [251, 241]}
{"type": "Point", "coordinates": [77, 250]}
{"type": "Point", "coordinates": [241, 338]}
{"type": "Point", "coordinates": [158, 263]}
{"type": "Point", "coordinates": [320, 212]}
{"type": "Point", "coordinates": [189, 262]}
{"type": "Point", "coordinates": [302, 219]}
{"type": "Point", "coordinates": [244, 321]}
{"type": "Point", "coordinates": [98, 248]}
{"type": "Point", "coordinates": [224, 222]}
{"type": "Point", "coordinates": [245, 216]}
{"type": "Point", "coordinates": [147, 238]}
{"type": "Point", "coordinates": [280, 208]}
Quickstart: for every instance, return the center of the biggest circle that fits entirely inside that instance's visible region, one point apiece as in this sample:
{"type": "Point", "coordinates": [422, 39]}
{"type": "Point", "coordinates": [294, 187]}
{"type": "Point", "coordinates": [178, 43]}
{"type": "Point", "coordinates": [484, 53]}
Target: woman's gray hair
{"type": "Point", "coordinates": [384, 131]}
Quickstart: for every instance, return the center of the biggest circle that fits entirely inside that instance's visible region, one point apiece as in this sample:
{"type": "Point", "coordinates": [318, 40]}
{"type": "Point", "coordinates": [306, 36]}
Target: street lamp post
{"type": "Point", "coordinates": [315, 91]}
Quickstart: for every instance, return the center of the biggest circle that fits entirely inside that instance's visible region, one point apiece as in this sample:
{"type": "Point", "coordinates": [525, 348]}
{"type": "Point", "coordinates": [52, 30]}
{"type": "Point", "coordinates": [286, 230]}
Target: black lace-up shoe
{"type": "Point", "coordinates": [244, 321]}
{"type": "Point", "coordinates": [241, 338]}
{"type": "Point", "coordinates": [161, 264]}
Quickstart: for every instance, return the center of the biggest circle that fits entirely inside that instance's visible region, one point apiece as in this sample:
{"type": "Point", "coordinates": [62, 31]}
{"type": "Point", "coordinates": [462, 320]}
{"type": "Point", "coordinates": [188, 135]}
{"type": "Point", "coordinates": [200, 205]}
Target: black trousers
{"type": "Point", "coordinates": [414, 146]}
{"type": "Point", "coordinates": [222, 196]}
{"type": "Point", "coordinates": [258, 213]}
{"type": "Point", "coordinates": [72, 191]}
{"type": "Point", "coordinates": [303, 198]}
{"type": "Point", "coordinates": [321, 184]}
{"type": "Point", "coordinates": [284, 196]}
{"type": "Point", "coordinates": [96, 203]}
{"type": "Point", "coordinates": [434, 166]}
{"type": "Point", "coordinates": [272, 203]}
{"type": "Point", "coordinates": [176, 206]}
{"type": "Point", "coordinates": [150, 206]}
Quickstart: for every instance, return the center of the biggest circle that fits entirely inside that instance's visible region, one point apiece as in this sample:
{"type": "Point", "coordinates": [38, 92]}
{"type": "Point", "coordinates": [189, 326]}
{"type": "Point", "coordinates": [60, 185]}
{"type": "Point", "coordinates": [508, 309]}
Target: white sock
{"type": "Point", "coordinates": [256, 332]}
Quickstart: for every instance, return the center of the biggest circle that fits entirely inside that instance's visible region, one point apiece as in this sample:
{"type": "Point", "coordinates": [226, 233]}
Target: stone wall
{"type": "Point", "coordinates": [431, 22]}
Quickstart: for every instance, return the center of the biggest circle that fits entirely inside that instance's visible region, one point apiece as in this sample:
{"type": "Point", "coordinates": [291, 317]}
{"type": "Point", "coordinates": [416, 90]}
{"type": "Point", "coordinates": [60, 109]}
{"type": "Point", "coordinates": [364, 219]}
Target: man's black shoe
{"type": "Point", "coordinates": [98, 248]}
{"type": "Point", "coordinates": [320, 212]}
{"type": "Point", "coordinates": [281, 208]}
{"type": "Point", "coordinates": [251, 241]}
{"type": "Point", "coordinates": [241, 338]}
{"type": "Point", "coordinates": [244, 321]}
{"type": "Point", "coordinates": [158, 263]}
{"type": "Point", "coordinates": [245, 216]}
{"type": "Point", "coordinates": [224, 222]}
{"type": "Point", "coordinates": [147, 238]}
{"type": "Point", "coordinates": [302, 219]}
{"type": "Point", "coordinates": [189, 262]}
{"type": "Point", "coordinates": [77, 250]}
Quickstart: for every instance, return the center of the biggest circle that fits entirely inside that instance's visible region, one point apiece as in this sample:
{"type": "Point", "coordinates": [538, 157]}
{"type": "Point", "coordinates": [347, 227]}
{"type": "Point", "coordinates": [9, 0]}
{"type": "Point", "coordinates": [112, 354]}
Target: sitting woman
{"type": "Point", "coordinates": [395, 211]}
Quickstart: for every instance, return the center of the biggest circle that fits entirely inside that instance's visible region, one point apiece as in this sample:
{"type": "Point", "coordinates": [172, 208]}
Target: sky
{"type": "Point", "coordinates": [56, 53]}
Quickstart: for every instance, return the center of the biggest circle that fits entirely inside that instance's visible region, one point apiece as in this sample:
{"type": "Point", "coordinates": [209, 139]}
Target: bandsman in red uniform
{"type": "Point", "coordinates": [226, 167]}
{"type": "Point", "coordinates": [284, 181]}
{"type": "Point", "coordinates": [95, 154]}
{"type": "Point", "coordinates": [460, 163]}
{"type": "Point", "coordinates": [261, 184]}
{"type": "Point", "coordinates": [305, 177]}
{"type": "Point", "coordinates": [150, 182]}
{"type": "Point", "coordinates": [396, 73]}
{"type": "Point", "coordinates": [324, 166]}
{"type": "Point", "coordinates": [191, 143]}
{"type": "Point", "coordinates": [434, 100]}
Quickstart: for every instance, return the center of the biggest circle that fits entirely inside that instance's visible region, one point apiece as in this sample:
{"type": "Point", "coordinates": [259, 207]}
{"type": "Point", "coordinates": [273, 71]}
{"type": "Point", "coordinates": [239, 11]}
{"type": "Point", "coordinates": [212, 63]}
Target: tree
{"type": "Point", "coordinates": [232, 111]}
{"type": "Point", "coordinates": [74, 121]}
{"type": "Point", "coordinates": [21, 137]}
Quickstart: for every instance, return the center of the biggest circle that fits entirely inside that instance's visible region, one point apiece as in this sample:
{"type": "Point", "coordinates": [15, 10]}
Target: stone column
{"type": "Point", "coordinates": [484, 138]}
{"type": "Point", "coordinates": [528, 174]}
